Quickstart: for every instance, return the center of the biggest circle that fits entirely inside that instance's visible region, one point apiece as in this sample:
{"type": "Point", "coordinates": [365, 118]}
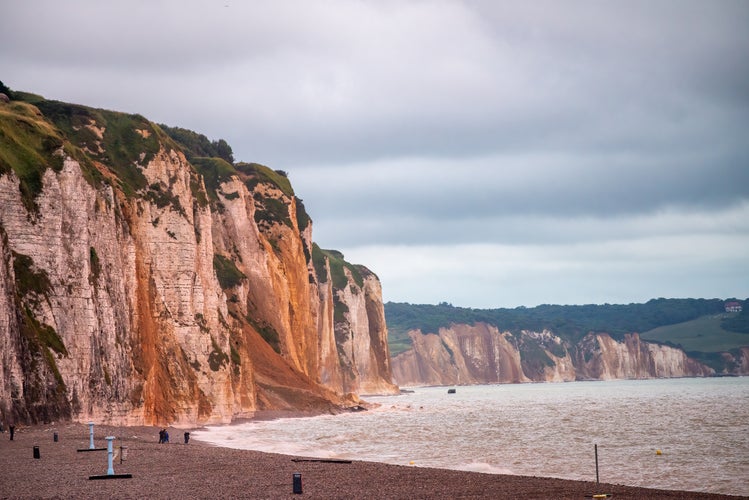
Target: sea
{"type": "Point", "coordinates": [678, 434]}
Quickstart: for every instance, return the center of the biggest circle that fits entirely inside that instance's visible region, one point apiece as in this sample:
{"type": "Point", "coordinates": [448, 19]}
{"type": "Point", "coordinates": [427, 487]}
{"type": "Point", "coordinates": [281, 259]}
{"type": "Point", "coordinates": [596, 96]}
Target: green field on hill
{"type": "Point", "coordinates": [702, 334]}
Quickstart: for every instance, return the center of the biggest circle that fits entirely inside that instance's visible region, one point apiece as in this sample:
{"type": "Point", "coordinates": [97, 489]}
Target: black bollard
{"type": "Point", "coordinates": [36, 452]}
{"type": "Point", "coordinates": [297, 483]}
{"type": "Point", "coordinates": [187, 437]}
{"type": "Point", "coordinates": [54, 437]}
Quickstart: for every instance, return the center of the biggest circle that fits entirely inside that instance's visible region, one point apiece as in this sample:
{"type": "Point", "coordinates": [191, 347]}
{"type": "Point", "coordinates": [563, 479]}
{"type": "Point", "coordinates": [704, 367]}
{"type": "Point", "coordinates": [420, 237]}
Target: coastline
{"type": "Point", "coordinates": [202, 470]}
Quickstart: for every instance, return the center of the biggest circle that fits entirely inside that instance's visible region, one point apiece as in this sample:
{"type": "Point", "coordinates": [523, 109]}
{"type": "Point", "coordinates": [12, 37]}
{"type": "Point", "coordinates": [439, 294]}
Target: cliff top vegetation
{"type": "Point", "coordinates": [568, 321]}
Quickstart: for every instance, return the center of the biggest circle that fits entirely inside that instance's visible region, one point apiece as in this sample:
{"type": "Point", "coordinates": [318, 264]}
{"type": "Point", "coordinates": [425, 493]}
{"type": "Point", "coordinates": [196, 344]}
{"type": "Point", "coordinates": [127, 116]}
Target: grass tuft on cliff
{"type": "Point", "coordinates": [337, 264]}
{"type": "Point", "coordinates": [28, 279]}
{"type": "Point", "coordinates": [226, 271]}
{"type": "Point", "coordinates": [120, 141]}
{"type": "Point", "coordinates": [29, 145]}
{"type": "Point", "coordinates": [215, 171]}
{"type": "Point", "coordinates": [258, 174]}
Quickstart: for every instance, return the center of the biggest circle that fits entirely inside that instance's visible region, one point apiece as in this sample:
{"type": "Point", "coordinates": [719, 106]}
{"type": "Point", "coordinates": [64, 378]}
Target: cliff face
{"type": "Point", "coordinates": [481, 354]}
{"type": "Point", "coordinates": [139, 287]}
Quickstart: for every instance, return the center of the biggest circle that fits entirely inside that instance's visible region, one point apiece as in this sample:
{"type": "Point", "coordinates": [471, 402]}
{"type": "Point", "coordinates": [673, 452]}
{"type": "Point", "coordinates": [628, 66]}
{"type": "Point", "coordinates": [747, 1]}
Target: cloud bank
{"type": "Point", "coordinates": [485, 154]}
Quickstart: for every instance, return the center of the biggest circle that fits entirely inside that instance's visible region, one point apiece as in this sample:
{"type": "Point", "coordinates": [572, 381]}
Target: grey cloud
{"type": "Point", "coordinates": [342, 231]}
{"type": "Point", "coordinates": [529, 124]}
{"type": "Point", "coordinates": [341, 82]}
{"type": "Point", "coordinates": [570, 185]}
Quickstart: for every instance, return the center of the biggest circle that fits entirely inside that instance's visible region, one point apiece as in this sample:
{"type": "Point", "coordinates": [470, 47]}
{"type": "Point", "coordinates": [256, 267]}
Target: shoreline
{"type": "Point", "coordinates": [202, 470]}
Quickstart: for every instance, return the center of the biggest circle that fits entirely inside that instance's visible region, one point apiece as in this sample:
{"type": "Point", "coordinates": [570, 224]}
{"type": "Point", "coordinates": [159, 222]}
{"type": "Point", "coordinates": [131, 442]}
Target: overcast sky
{"type": "Point", "coordinates": [485, 154]}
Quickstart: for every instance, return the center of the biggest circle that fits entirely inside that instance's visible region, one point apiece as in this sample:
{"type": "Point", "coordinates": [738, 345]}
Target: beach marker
{"type": "Point", "coordinates": [91, 440]}
{"type": "Point", "coordinates": [110, 468]}
{"type": "Point", "coordinates": [110, 454]}
{"type": "Point", "coordinates": [297, 483]}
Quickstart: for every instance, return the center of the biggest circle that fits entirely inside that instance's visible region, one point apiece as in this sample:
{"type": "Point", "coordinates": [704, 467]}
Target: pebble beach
{"type": "Point", "coordinates": [200, 470]}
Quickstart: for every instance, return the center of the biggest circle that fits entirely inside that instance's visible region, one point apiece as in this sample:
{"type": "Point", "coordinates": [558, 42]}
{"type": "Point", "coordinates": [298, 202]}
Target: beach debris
{"type": "Point", "coordinates": [324, 460]}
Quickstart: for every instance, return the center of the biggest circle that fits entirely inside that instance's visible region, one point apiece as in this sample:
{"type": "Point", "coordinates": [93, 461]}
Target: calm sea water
{"type": "Point", "coordinates": [700, 426]}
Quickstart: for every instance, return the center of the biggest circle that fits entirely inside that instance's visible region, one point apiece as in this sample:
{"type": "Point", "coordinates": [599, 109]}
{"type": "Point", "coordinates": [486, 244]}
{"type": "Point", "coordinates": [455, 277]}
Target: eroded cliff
{"type": "Point", "coordinates": [481, 354]}
{"type": "Point", "coordinates": [140, 287]}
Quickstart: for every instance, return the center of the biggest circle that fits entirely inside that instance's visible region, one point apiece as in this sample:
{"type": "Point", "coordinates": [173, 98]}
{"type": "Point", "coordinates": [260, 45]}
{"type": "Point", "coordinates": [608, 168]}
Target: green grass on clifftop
{"type": "Point", "coordinates": [29, 145]}
{"type": "Point", "coordinates": [703, 334]}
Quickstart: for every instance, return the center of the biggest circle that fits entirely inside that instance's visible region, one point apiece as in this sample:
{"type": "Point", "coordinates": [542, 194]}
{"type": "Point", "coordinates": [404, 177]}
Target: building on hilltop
{"type": "Point", "coordinates": [733, 307]}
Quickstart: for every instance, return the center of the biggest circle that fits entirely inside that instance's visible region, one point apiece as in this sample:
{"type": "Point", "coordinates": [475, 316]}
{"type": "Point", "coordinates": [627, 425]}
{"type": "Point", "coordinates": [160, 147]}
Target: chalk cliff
{"type": "Point", "coordinates": [140, 287]}
{"type": "Point", "coordinates": [482, 354]}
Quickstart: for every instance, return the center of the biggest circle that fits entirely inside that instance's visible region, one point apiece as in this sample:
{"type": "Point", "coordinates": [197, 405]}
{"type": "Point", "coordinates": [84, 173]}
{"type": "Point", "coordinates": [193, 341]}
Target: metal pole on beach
{"type": "Point", "coordinates": [595, 447]}
{"type": "Point", "coordinates": [91, 435]}
{"type": "Point", "coordinates": [110, 455]}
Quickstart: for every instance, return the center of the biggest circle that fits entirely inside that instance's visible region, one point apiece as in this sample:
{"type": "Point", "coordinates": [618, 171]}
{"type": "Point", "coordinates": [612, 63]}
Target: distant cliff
{"type": "Point", "coordinates": [482, 354]}
{"type": "Point", "coordinates": [140, 287]}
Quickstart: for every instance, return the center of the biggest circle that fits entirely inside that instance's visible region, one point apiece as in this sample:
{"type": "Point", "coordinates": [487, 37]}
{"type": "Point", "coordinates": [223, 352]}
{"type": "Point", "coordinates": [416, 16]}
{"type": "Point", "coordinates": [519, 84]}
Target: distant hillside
{"type": "Point", "coordinates": [704, 334]}
{"type": "Point", "coordinates": [696, 324]}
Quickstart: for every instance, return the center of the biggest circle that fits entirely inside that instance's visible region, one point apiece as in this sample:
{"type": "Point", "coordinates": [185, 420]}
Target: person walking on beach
{"type": "Point", "coordinates": [161, 435]}
{"type": "Point", "coordinates": [12, 429]}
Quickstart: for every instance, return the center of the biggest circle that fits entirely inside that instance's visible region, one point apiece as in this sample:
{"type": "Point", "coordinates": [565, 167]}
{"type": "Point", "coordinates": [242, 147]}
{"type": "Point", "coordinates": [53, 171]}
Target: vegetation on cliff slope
{"type": "Point", "coordinates": [29, 145]}
{"type": "Point", "coordinates": [196, 145]}
{"type": "Point", "coordinates": [118, 140]}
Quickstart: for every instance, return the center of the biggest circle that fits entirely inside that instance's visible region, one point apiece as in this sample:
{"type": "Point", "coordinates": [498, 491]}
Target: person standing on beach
{"type": "Point", "coordinates": [161, 435]}
{"type": "Point", "coordinates": [12, 429]}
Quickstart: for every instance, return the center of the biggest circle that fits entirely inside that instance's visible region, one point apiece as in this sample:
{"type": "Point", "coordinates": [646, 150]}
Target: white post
{"type": "Point", "coordinates": [91, 435]}
{"type": "Point", "coordinates": [110, 454]}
